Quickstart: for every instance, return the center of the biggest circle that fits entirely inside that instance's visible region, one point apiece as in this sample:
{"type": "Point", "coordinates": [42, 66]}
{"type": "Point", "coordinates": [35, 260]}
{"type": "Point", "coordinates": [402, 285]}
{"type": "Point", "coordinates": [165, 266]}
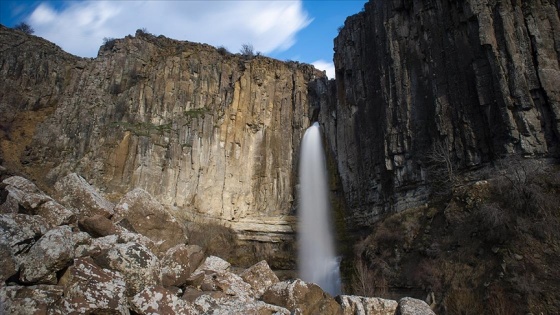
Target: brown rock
{"type": "Point", "coordinates": [98, 226]}
{"type": "Point", "coordinates": [35, 300]}
{"type": "Point", "coordinates": [89, 289]}
{"type": "Point", "coordinates": [260, 277]}
{"type": "Point", "coordinates": [74, 192]}
{"type": "Point", "coordinates": [298, 296]}
{"type": "Point", "coordinates": [176, 264]}
{"type": "Point", "coordinates": [148, 217]}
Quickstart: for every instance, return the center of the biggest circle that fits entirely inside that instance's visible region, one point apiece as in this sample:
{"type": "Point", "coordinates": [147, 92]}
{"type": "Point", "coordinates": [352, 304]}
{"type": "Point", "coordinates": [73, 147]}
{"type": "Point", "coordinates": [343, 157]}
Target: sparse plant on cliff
{"type": "Point", "coordinates": [247, 51]}
{"type": "Point", "coordinates": [441, 167]}
{"type": "Point", "coordinates": [108, 43]}
{"type": "Point", "coordinates": [223, 51]}
{"type": "Point", "coordinates": [24, 27]}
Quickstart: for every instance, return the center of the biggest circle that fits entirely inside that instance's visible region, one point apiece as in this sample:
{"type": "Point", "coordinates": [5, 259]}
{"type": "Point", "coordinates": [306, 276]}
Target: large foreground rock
{"type": "Point", "coordinates": [148, 217]}
{"type": "Point", "coordinates": [410, 306]}
{"type": "Point", "coordinates": [260, 277]}
{"type": "Point", "coordinates": [51, 253]}
{"type": "Point", "coordinates": [352, 304]}
{"type": "Point", "coordinates": [90, 289]}
{"type": "Point", "coordinates": [302, 298]}
{"type": "Point", "coordinates": [32, 300]}
{"type": "Point", "coordinates": [75, 192]}
{"type": "Point", "coordinates": [157, 300]}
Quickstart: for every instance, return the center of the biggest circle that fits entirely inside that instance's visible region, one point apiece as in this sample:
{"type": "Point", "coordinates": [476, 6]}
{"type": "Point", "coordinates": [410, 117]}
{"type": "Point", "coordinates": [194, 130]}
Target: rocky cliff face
{"type": "Point", "coordinates": [471, 80]}
{"type": "Point", "coordinates": [213, 135]}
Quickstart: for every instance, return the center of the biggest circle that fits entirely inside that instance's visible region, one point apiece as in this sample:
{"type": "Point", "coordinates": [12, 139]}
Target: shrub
{"type": "Point", "coordinates": [223, 51]}
{"type": "Point", "coordinates": [24, 27]}
{"type": "Point", "coordinates": [215, 239]}
{"type": "Point", "coordinates": [247, 51]}
{"type": "Point", "coordinates": [108, 43]}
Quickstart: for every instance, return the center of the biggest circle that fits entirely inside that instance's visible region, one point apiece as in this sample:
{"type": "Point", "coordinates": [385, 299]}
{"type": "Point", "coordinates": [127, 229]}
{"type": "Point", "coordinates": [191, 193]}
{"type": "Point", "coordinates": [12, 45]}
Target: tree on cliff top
{"type": "Point", "coordinates": [24, 27]}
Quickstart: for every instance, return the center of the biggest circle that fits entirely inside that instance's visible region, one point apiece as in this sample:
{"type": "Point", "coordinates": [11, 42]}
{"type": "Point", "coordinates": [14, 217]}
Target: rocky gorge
{"type": "Point", "coordinates": [441, 131]}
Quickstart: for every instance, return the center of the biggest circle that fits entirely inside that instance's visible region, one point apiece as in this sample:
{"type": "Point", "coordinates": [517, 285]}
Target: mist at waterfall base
{"type": "Point", "coordinates": [317, 260]}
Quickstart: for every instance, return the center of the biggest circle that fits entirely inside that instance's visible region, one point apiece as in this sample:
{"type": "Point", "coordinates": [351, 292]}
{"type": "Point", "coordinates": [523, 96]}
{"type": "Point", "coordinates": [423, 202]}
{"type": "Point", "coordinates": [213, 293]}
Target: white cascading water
{"type": "Point", "coordinates": [317, 260]}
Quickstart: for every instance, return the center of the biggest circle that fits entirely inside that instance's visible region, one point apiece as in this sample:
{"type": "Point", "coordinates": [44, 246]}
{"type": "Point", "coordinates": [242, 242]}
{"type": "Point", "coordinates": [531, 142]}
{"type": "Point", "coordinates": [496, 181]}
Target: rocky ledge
{"type": "Point", "coordinates": [78, 253]}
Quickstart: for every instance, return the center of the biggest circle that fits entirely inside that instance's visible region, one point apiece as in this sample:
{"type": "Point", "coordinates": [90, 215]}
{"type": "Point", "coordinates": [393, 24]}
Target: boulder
{"type": "Point", "coordinates": [137, 264]}
{"type": "Point", "coordinates": [207, 304]}
{"type": "Point", "coordinates": [148, 217]}
{"type": "Point", "coordinates": [260, 277]}
{"type": "Point", "coordinates": [24, 197]}
{"type": "Point", "coordinates": [301, 297]}
{"type": "Point", "coordinates": [96, 246]}
{"type": "Point", "coordinates": [410, 306]}
{"type": "Point", "coordinates": [212, 264]}
{"type": "Point", "coordinates": [18, 233]}
{"type": "Point", "coordinates": [22, 300]}
{"type": "Point", "coordinates": [52, 252]}
{"type": "Point", "coordinates": [97, 226]}
{"type": "Point", "coordinates": [90, 289]}
{"type": "Point", "coordinates": [352, 304]}
{"type": "Point", "coordinates": [178, 263]}
{"type": "Point", "coordinates": [73, 191]}
{"type": "Point", "coordinates": [157, 300]}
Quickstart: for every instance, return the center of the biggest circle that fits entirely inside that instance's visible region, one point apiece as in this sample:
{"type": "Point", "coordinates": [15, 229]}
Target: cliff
{"type": "Point", "coordinates": [468, 82]}
{"type": "Point", "coordinates": [213, 135]}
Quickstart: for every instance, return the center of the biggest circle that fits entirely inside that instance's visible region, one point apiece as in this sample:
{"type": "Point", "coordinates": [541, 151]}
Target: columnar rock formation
{"type": "Point", "coordinates": [213, 134]}
{"type": "Point", "coordinates": [474, 79]}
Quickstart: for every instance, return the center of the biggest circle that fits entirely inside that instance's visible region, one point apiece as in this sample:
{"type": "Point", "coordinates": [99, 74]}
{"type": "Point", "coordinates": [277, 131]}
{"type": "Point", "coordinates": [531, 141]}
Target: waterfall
{"type": "Point", "coordinates": [316, 254]}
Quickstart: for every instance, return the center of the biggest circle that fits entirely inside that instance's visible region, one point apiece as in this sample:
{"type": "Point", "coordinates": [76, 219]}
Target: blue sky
{"type": "Point", "coordinates": [282, 29]}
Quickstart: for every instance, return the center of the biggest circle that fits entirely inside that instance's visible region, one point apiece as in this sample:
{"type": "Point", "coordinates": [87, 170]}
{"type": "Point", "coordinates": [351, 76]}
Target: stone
{"type": "Point", "coordinates": [207, 304]}
{"type": "Point", "coordinates": [352, 304]}
{"type": "Point", "coordinates": [148, 217]}
{"type": "Point", "coordinates": [260, 277]}
{"type": "Point", "coordinates": [176, 264]}
{"type": "Point", "coordinates": [157, 300]}
{"type": "Point", "coordinates": [51, 253]}
{"type": "Point", "coordinates": [8, 263]}
{"type": "Point", "coordinates": [19, 232]}
{"type": "Point", "coordinates": [301, 297]}
{"type": "Point", "coordinates": [137, 264]}
{"type": "Point", "coordinates": [96, 246]}
{"type": "Point", "coordinates": [212, 264]}
{"type": "Point", "coordinates": [24, 300]}
{"type": "Point", "coordinates": [55, 214]}
{"type": "Point", "coordinates": [97, 226]}
{"type": "Point", "coordinates": [90, 289]}
{"type": "Point", "coordinates": [75, 192]}
{"type": "Point", "coordinates": [410, 306]}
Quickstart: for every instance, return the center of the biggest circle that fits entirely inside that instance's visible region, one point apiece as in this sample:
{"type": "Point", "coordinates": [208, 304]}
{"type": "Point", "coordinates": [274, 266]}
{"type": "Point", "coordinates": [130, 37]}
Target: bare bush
{"type": "Point", "coordinates": [108, 43]}
{"type": "Point", "coordinates": [247, 51]}
{"type": "Point", "coordinates": [441, 167]}
{"type": "Point", "coordinates": [366, 282]}
{"type": "Point", "coordinates": [24, 27]}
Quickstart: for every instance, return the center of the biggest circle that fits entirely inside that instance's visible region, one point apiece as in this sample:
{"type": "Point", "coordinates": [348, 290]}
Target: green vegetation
{"type": "Point", "coordinates": [143, 128]}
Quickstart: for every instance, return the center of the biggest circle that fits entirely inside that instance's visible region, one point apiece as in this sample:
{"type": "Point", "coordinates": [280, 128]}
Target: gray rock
{"type": "Point", "coordinates": [157, 300]}
{"type": "Point", "coordinates": [410, 306]}
{"type": "Point", "coordinates": [352, 304]}
{"type": "Point", "coordinates": [137, 264]}
{"type": "Point", "coordinates": [19, 232]}
{"type": "Point", "coordinates": [212, 264]}
{"type": "Point", "coordinates": [176, 264]}
{"type": "Point", "coordinates": [52, 252]}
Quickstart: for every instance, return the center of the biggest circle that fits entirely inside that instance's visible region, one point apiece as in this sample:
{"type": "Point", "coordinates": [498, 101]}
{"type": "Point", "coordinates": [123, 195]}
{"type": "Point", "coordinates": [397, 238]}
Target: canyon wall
{"type": "Point", "coordinates": [213, 135]}
{"type": "Point", "coordinates": [475, 80]}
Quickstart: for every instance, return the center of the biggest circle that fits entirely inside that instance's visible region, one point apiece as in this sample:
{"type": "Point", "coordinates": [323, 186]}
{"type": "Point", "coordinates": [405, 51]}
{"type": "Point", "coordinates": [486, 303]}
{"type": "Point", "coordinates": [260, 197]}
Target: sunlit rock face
{"type": "Point", "coordinates": [214, 135]}
{"type": "Point", "coordinates": [479, 76]}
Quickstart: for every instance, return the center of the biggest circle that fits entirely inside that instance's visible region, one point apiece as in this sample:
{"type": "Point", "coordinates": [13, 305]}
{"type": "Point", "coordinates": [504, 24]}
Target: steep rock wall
{"type": "Point", "coordinates": [214, 135]}
{"type": "Point", "coordinates": [478, 77]}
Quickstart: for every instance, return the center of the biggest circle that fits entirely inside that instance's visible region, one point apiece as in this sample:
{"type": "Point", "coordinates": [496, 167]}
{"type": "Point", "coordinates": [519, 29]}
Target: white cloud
{"type": "Point", "coordinates": [325, 66]}
{"type": "Point", "coordinates": [80, 27]}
